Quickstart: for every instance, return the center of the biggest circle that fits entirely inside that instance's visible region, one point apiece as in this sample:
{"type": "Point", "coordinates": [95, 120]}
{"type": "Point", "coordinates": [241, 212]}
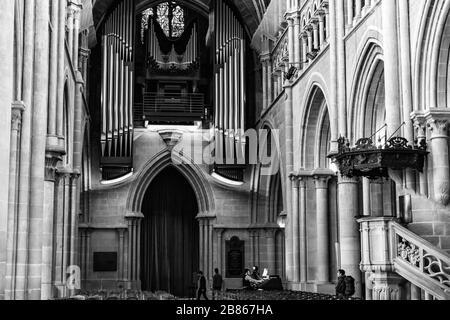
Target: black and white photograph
{"type": "Point", "coordinates": [225, 158]}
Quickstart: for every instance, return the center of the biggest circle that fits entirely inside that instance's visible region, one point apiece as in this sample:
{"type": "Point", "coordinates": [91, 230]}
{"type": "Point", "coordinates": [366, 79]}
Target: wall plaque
{"type": "Point", "coordinates": [105, 261]}
{"type": "Point", "coordinates": [235, 249]}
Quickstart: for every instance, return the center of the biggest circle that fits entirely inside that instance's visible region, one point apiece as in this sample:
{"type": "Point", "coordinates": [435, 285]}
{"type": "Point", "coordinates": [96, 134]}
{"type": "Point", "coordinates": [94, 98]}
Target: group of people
{"type": "Point", "coordinates": [216, 286]}
{"type": "Point", "coordinates": [252, 280]}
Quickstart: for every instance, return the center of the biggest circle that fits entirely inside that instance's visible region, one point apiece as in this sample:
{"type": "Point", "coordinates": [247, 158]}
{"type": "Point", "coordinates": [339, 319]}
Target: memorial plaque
{"type": "Point", "coordinates": [235, 249]}
{"type": "Point", "coordinates": [105, 261]}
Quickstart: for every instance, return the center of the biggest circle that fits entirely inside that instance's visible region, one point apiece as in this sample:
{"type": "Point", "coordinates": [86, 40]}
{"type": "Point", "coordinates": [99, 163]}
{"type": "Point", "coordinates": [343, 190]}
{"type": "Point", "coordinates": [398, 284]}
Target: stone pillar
{"type": "Point", "coordinates": [269, 83]}
{"type": "Point", "coordinates": [420, 125]}
{"type": "Point", "coordinates": [291, 38]}
{"type": "Point", "coordinates": [349, 236]}
{"type": "Point", "coordinates": [38, 148]}
{"type": "Point", "coordinates": [350, 15]}
{"type": "Point", "coordinates": [341, 69]}
{"type": "Point", "coordinates": [219, 254]}
{"type": "Point", "coordinates": [391, 69]}
{"type": "Point", "coordinates": [264, 83]}
{"type": "Point", "coordinates": [316, 34]}
{"type": "Point", "coordinates": [61, 71]}
{"type": "Point", "coordinates": [322, 37]}
{"type": "Point", "coordinates": [323, 243]}
{"type": "Point", "coordinates": [304, 39]}
{"type": "Point", "coordinates": [11, 245]}
{"type": "Point", "coordinates": [25, 154]}
{"type": "Point", "coordinates": [358, 9]}
{"type": "Point", "coordinates": [134, 220]}
{"type": "Point", "coordinates": [438, 122]}
{"type": "Point", "coordinates": [297, 54]}
{"type": "Point", "coordinates": [53, 70]}
{"type": "Point", "coordinates": [121, 269]}
{"type": "Point", "coordinates": [51, 161]}
{"type": "Point", "coordinates": [310, 30]}
{"type": "Point", "coordinates": [295, 231]}
{"type": "Point", "coordinates": [303, 232]}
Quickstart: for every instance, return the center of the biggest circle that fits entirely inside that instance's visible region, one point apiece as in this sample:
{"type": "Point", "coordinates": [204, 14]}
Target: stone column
{"type": "Point", "coordinates": [341, 69]}
{"type": "Point", "coordinates": [304, 39]}
{"type": "Point", "coordinates": [134, 220]}
{"type": "Point", "coordinates": [38, 148]}
{"type": "Point", "coordinates": [303, 232]}
{"type": "Point", "coordinates": [391, 63]}
{"type": "Point", "coordinates": [11, 245]}
{"type": "Point", "coordinates": [291, 38]}
{"type": "Point", "coordinates": [61, 73]}
{"type": "Point", "coordinates": [121, 235]}
{"type": "Point", "coordinates": [269, 82]}
{"type": "Point", "coordinates": [322, 37]}
{"type": "Point", "coordinates": [420, 125]}
{"type": "Point", "coordinates": [316, 34]}
{"type": "Point", "coordinates": [310, 30]}
{"type": "Point", "coordinates": [297, 54]}
{"type": "Point", "coordinates": [295, 230]}
{"type": "Point", "coordinates": [358, 9]}
{"type": "Point", "coordinates": [53, 69]}
{"type": "Point", "coordinates": [349, 235]}
{"type": "Point", "coordinates": [219, 254]}
{"type": "Point", "coordinates": [323, 243]}
{"type": "Point", "coordinates": [264, 80]}
{"type": "Point", "coordinates": [51, 161]}
{"type": "Point", "coordinates": [350, 13]}
{"type": "Point", "coordinates": [25, 154]}
{"type": "Point", "coordinates": [438, 122]}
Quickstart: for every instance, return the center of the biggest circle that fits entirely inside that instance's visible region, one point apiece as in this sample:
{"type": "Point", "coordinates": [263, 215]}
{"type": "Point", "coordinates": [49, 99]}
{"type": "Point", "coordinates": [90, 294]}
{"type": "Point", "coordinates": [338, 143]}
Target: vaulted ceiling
{"type": "Point", "coordinates": [252, 11]}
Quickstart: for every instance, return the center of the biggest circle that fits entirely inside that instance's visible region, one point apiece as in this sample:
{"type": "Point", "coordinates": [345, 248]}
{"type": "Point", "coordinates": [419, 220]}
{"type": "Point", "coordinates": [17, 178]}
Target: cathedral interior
{"type": "Point", "coordinates": [145, 140]}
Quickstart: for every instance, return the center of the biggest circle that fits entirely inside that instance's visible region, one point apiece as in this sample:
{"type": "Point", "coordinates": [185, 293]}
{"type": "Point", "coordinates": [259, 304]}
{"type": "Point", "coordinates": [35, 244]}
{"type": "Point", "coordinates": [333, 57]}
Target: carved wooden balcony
{"type": "Point", "coordinates": [368, 160]}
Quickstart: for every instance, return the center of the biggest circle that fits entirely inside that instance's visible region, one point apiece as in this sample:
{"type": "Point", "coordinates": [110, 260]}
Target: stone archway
{"type": "Point", "coordinates": [201, 188]}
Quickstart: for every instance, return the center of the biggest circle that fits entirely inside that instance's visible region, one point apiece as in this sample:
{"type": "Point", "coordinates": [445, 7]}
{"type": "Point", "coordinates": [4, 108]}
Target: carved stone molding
{"type": "Point", "coordinates": [438, 122]}
{"type": "Point", "coordinates": [18, 107]}
{"type": "Point", "coordinates": [51, 166]}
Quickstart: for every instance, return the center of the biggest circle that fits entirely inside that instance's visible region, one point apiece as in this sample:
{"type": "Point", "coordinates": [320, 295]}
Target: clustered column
{"type": "Point", "coordinates": [134, 249]}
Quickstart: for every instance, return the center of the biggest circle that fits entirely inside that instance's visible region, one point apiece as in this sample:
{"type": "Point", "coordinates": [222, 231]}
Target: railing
{"type": "Point", "coordinates": [171, 107]}
{"type": "Point", "coordinates": [420, 263]}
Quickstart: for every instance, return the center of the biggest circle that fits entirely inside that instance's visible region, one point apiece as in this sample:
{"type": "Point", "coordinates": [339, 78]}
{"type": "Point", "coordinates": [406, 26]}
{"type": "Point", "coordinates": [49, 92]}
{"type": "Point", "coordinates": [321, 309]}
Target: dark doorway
{"type": "Point", "coordinates": [170, 235]}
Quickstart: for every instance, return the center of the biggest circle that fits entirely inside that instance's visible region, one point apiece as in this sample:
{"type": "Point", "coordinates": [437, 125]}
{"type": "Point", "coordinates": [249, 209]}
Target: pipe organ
{"type": "Point", "coordinates": [172, 59]}
{"type": "Point", "coordinates": [230, 91]}
{"type": "Point", "coordinates": [117, 88]}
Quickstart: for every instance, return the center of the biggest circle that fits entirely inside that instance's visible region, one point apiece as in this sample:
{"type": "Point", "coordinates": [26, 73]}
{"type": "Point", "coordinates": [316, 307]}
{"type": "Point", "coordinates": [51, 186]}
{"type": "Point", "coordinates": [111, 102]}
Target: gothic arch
{"type": "Point", "coordinates": [432, 84]}
{"type": "Point", "coordinates": [191, 172]}
{"type": "Point", "coordinates": [316, 129]}
{"type": "Point", "coordinates": [368, 77]}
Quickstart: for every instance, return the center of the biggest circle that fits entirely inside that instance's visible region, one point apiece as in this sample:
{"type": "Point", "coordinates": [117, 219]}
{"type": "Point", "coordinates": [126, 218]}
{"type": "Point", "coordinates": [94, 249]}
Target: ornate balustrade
{"type": "Point", "coordinates": [413, 255]}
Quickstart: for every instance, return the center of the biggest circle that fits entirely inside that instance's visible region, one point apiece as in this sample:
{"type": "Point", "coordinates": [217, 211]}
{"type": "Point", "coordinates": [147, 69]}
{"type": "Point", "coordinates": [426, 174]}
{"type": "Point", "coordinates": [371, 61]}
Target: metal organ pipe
{"type": "Point", "coordinates": [117, 82]}
{"type": "Point", "coordinates": [230, 75]}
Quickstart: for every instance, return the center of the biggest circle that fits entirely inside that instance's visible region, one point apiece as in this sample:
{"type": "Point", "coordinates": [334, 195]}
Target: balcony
{"type": "Point", "coordinates": [171, 108]}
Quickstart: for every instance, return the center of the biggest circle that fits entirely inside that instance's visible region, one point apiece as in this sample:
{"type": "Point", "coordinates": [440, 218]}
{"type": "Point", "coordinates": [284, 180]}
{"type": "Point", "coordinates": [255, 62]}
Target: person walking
{"type": "Point", "coordinates": [217, 284]}
{"type": "Point", "coordinates": [201, 286]}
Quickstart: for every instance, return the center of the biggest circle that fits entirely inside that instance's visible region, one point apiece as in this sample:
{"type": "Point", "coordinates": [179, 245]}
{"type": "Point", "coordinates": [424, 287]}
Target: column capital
{"type": "Point", "coordinates": [438, 121]}
{"type": "Point", "coordinates": [347, 180]}
{"type": "Point", "coordinates": [51, 166]}
{"type": "Point", "coordinates": [18, 107]}
{"type": "Point", "coordinates": [420, 123]}
{"type": "Point", "coordinates": [321, 181]}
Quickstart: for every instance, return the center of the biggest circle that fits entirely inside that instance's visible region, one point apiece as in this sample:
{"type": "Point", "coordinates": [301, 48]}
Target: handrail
{"type": "Point", "coordinates": [420, 262]}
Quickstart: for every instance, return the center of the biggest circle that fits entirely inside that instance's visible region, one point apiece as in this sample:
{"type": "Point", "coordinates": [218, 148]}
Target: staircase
{"type": "Point", "coordinates": [419, 262]}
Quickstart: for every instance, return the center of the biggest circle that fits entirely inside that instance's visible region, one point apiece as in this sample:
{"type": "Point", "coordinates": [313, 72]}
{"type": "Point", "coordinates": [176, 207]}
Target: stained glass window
{"type": "Point", "coordinates": [170, 17]}
{"type": "Point", "coordinates": [144, 23]}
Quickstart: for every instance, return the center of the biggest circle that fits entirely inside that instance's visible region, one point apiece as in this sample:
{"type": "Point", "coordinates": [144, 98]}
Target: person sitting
{"type": "Point", "coordinates": [250, 282]}
{"type": "Point", "coordinates": [255, 274]}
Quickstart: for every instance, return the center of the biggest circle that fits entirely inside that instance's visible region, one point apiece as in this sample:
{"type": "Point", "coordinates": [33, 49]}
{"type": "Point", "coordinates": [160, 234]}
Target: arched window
{"type": "Point", "coordinates": [170, 17]}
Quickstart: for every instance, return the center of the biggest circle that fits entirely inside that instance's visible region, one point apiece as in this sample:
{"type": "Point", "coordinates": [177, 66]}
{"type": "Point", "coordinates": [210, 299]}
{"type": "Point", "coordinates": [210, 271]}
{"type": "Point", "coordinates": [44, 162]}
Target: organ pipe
{"type": "Point", "coordinates": [117, 82]}
{"type": "Point", "coordinates": [229, 76]}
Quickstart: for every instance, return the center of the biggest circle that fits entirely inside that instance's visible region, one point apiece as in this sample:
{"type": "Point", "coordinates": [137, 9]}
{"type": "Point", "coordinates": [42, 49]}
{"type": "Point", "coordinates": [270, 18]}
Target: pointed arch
{"type": "Point", "coordinates": [191, 172]}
